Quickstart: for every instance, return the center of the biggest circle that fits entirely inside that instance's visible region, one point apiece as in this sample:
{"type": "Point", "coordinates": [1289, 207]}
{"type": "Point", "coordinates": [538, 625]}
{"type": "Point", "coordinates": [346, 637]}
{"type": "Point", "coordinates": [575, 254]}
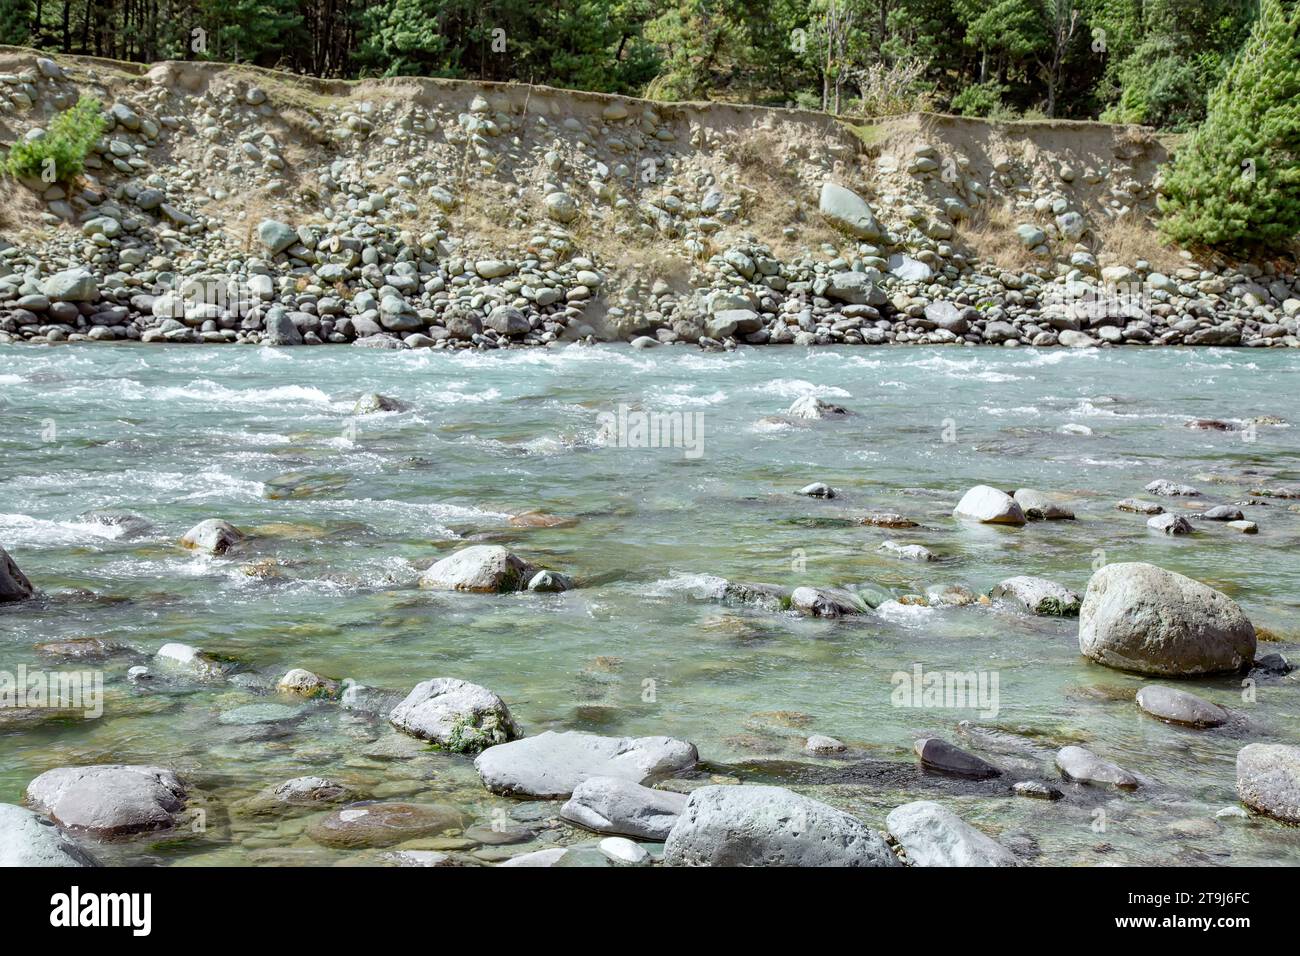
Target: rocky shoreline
{"type": "Point", "coordinates": [602, 219]}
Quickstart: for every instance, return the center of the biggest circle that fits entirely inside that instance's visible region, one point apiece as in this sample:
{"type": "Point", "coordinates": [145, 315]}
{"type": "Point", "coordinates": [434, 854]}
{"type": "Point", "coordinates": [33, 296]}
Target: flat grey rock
{"type": "Point", "coordinates": [1180, 707]}
{"type": "Point", "coordinates": [1084, 766]}
{"type": "Point", "coordinates": [933, 835]}
{"type": "Point", "coordinates": [615, 805]}
{"type": "Point", "coordinates": [28, 840]}
{"type": "Point", "coordinates": [552, 764]}
{"type": "Point", "coordinates": [770, 826]}
{"type": "Point", "coordinates": [110, 799]}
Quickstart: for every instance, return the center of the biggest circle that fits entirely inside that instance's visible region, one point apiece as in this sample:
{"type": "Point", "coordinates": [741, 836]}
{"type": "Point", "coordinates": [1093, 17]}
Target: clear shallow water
{"type": "Point", "coordinates": [178, 435]}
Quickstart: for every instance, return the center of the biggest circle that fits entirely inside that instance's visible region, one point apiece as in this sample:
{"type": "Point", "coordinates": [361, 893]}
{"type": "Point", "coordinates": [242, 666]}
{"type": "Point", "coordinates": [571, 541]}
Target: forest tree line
{"type": "Point", "coordinates": [1144, 61]}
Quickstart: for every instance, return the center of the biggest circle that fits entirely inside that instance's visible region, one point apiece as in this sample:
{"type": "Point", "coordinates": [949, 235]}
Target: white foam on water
{"type": "Point", "coordinates": [797, 388]}
{"type": "Point", "coordinates": [19, 530]}
{"type": "Point", "coordinates": [701, 586]}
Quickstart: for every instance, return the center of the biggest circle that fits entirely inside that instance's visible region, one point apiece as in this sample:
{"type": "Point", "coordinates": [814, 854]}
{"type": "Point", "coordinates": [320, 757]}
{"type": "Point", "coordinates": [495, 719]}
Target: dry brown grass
{"type": "Point", "coordinates": [1126, 239]}
{"type": "Point", "coordinates": [990, 236]}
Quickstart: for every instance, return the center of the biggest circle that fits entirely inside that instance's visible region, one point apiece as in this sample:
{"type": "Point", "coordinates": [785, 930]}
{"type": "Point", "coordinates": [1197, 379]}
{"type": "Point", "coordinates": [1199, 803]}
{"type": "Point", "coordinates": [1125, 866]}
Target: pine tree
{"type": "Point", "coordinates": [15, 22]}
{"type": "Point", "coordinates": [1237, 182]}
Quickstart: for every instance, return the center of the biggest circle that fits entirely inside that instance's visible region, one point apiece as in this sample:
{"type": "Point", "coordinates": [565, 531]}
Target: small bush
{"type": "Point", "coordinates": [979, 99]}
{"type": "Point", "coordinates": [60, 154]}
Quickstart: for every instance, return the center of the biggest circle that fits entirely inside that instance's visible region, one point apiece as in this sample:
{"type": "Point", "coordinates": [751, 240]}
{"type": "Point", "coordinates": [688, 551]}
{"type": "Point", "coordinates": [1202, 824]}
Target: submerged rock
{"type": "Point", "coordinates": [933, 835]}
{"type": "Point", "coordinates": [1163, 486]}
{"type": "Point", "coordinates": [616, 805]}
{"type": "Point", "coordinates": [374, 402]}
{"type": "Point", "coordinates": [1039, 507]}
{"type": "Point", "coordinates": [1138, 506]}
{"type": "Point", "coordinates": [110, 799]}
{"type": "Point", "coordinates": [812, 408]}
{"type": "Point", "coordinates": [309, 791]}
{"type": "Point", "coordinates": [1180, 707]}
{"type": "Point", "coordinates": [1039, 596]}
{"type": "Point", "coordinates": [886, 519]}
{"type": "Point", "coordinates": [825, 602]}
{"type": "Point", "coordinates": [551, 765]}
{"type": "Point", "coordinates": [303, 683]}
{"type": "Point", "coordinates": [818, 489]}
{"type": "Point", "coordinates": [213, 536]}
{"type": "Point", "coordinates": [456, 715]}
{"type": "Point", "coordinates": [1170, 524]}
{"type": "Point", "coordinates": [189, 660]}
{"type": "Point", "coordinates": [770, 826]}
{"type": "Point", "coordinates": [14, 585]}
{"type": "Point", "coordinates": [1268, 780]}
{"type": "Point", "coordinates": [383, 824]}
{"type": "Point", "coordinates": [483, 568]}
{"type": "Point", "coordinates": [1221, 513]}
{"type": "Point", "coordinates": [989, 506]}
{"type": "Point", "coordinates": [908, 552]}
{"type": "Point", "coordinates": [1142, 618]}
{"type": "Point", "coordinates": [938, 754]}
{"type": "Point", "coordinates": [1084, 766]}
{"type": "Point", "coordinates": [1036, 790]}
{"type": "Point", "coordinates": [28, 840]}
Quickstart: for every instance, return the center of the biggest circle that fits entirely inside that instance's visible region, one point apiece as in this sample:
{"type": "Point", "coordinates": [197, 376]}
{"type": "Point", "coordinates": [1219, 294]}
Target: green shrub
{"type": "Point", "coordinates": [1237, 180]}
{"type": "Point", "coordinates": [60, 154]}
{"type": "Point", "coordinates": [979, 99]}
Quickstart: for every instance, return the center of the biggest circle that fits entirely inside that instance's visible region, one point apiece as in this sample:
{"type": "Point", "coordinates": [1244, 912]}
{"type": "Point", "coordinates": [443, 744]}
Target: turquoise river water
{"type": "Point", "coordinates": [346, 511]}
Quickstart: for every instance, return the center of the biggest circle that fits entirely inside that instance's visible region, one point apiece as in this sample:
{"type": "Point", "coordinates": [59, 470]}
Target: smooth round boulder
{"type": "Point", "coordinates": [989, 506]}
{"type": "Point", "coordinates": [812, 408]}
{"type": "Point", "coordinates": [932, 835]}
{"type": "Point", "coordinates": [551, 765]}
{"type": "Point", "coordinates": [1180, 707]}
{"type": "Point", "coordinates": [1039, 596]}
{"type": "Point", "coordinates": [14, 585]}
{"type": "Point", "coordinates": [382, 824]}
{"type": "Point", "coordinates": [615, 805]}
{"type": "Point", "coordinates": [28, 840]}
{"type": "Point", "coordinates": [1084, 766]}
{"type": "Point", "coordinates": [456, 715]}
{"type": "Point", "coordinates": [938, 754]}
{"type": "Point", "coordinates": [1141, 618]}
{"type": "Point", "coordinates": [309, 791]}
{"type": "Point", "coordinates": [483, 568]}
{"type": "Point", "coordinates": [825, 602]}
{"type": "Point", "coordinates": [213, 536]}
{"type": "Point", "coordinates": [770, 826]}
{"type": "Point", "coordinates": [1268, 780]}
{"type": "Point", "coordinates": [110, 799]}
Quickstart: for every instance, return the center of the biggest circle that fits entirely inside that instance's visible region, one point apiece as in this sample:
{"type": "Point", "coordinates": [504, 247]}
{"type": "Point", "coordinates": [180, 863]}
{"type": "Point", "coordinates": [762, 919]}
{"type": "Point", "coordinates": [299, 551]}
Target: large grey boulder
{"type": "Point", "coordinates": [1039, 596]}
{"type": "Point", "coordinates": [73, 285]}
{"type": "Point", "coordinates": [938, 754]}
{"type": "Point", "coordinates": [276, 236]}
{"type": "Point", "coordinates": [615, 805]}
{"type": "Point", "coordinates": [456, 715]}
{"type": "Point", "coordinates": [551, 765]}
{"type": "Point", "coordinates": [14, 585]}
{"type": "Point", "coordinates": [989, 506]}
{"type": "Point", "coordinates": [933, 835]}
{"type": "Point", "coordinates": [485, 568]}
{"type": "Point", "coordinates": [1138, 617]}
{"type": "Point", "coordinates": [770, 826]}
{"type": "Point", "coordinates": [1180, 707]}
{"type": "Point", "coordinates": [855, 288]}
{"type": "Point", "coordinates": [110, 799]}
{"type": "Point", "coordinates": [846, 209]}
{"type": "Point", "coordinates": [280, 329]}
{"type": "Point", "coordinates": [1268, 780]}
{"type": "Point", "coordinates": [1084, 766]}
{"type": "Point", "coordinates": [27, 840]}
{"type": "Point", "coordinates": [213, 536]}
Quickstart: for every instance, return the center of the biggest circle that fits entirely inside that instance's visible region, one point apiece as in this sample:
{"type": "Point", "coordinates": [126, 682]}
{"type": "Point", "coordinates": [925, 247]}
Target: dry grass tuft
{"type": "Point", "coordinates": [1127, 239]}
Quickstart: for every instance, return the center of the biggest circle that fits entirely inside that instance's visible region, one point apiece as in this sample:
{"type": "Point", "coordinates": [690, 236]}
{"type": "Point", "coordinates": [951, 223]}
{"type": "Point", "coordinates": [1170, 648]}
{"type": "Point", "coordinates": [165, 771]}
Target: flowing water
{"type": "Point", "coordinates": [328, 580]}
